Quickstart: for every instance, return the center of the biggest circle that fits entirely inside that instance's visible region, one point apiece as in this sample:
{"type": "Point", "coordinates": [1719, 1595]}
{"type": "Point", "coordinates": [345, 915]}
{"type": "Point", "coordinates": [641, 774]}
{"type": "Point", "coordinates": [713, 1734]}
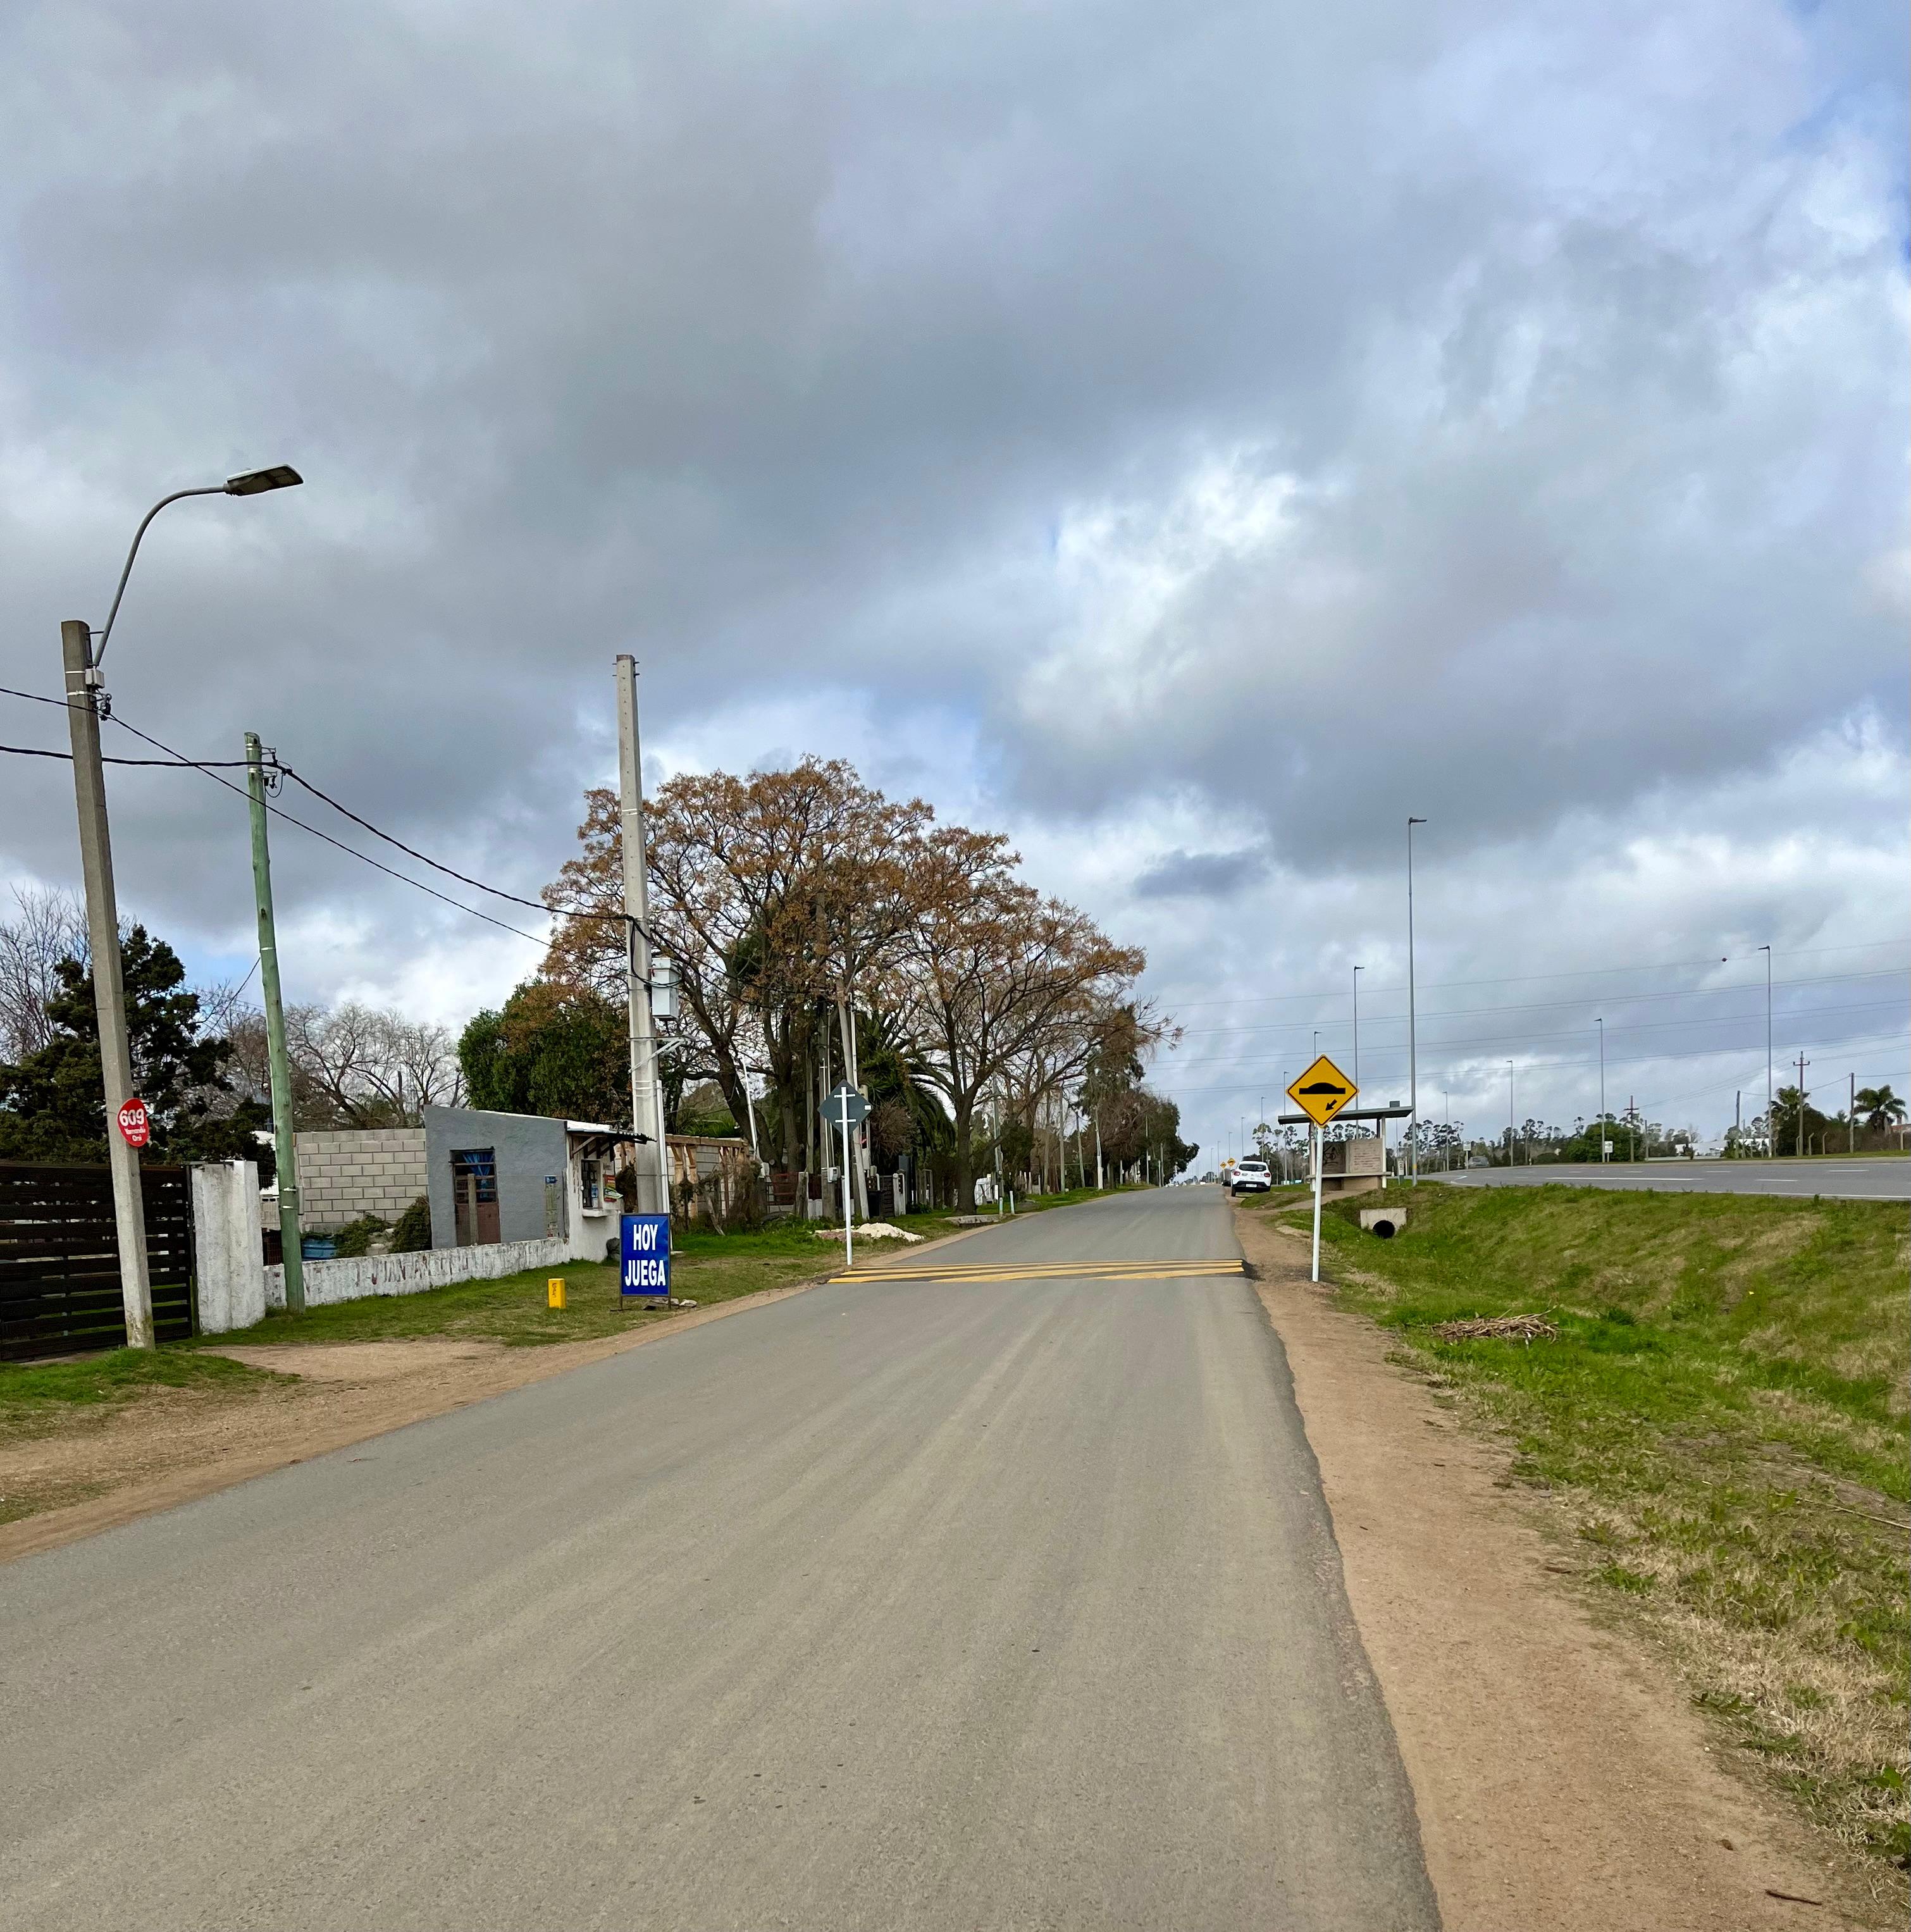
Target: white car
{"type": "Point", "coordinates": [1250, 1177]}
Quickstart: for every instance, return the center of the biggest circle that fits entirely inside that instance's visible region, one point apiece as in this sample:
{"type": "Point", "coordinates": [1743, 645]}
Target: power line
{"type": "Point", "coordinates": [212, 767]}
{"type": "Point", "coordinates": [350, 852]}
{"type": "Point", "coordinates": [1578, 1033]}
{"type": "Point", "coordinates": [1521, 979]}
{"type": "Point", "coordinates": [1549, 1005]}
{"type": "Point", "coordinates": [1550, 1065]}
{"type": "Point", "coordinates": [164, 764]}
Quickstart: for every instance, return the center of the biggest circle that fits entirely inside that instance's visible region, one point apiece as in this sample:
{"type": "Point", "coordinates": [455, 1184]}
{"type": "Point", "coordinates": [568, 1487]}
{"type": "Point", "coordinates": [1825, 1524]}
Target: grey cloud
{"type": "Point", "coordinates": [777, 346]}
{"type": "Point", "coordinates": [1200, 875]}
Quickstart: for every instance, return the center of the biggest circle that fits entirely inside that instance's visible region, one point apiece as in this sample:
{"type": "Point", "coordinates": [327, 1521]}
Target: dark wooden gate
{"type": "Point", "coordinates": [59, 1258]}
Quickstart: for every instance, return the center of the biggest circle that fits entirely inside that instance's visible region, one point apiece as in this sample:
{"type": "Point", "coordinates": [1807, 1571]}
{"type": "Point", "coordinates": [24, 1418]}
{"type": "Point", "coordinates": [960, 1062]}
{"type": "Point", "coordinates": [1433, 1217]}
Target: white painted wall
{"type": "Point", "coordinates": [225, 1242]}
{"type": "Point", "coordinates": [327, 1281]}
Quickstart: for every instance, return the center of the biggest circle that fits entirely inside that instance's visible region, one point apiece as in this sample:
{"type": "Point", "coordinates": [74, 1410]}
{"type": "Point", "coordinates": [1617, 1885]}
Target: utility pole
{"type": "Point", "coordinates": [1101, 1179]}
{"type": "Point", "coordinates": [1413, 1040]}
{"type": "Point", "coordinates": [1851, 1116]}
{"type": "Point", "coordinates": [285, 1140]}
{"type": "Point", "coordinates": [89, 785]}
{"type": "Point", "coordinates": [1601, 1024]}
{"type": "Point", "coordinates": [653, 1187]}
{"type": "Point", "coordinates": [1803, 1063]}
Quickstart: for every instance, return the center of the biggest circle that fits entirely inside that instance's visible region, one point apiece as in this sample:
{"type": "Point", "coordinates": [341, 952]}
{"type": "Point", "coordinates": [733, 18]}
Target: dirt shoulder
{"type": "Point", "coordinates": [1564, 1782]}
{"type": "Point", "coordinates": [174, 1446]}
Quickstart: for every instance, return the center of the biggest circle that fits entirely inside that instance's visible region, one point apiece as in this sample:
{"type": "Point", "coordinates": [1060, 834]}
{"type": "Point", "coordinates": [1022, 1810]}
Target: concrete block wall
{"type": "Point", "coordinates": [345, 1172]}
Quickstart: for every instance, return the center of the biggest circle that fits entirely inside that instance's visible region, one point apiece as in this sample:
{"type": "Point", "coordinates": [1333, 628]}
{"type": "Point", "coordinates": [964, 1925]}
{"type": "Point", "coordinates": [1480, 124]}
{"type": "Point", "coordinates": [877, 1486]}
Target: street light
{"type": "Point", "coordinates": [1771, 1130]}
{"type": "Point", "coordinates": [1413, 1043]}
{"type": "Point", "coordinates": [80, 656]}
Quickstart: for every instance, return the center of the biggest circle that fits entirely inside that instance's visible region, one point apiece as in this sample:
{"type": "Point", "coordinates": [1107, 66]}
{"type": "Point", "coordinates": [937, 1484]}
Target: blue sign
{"type": "Point", "coordinates": [645, 1250]}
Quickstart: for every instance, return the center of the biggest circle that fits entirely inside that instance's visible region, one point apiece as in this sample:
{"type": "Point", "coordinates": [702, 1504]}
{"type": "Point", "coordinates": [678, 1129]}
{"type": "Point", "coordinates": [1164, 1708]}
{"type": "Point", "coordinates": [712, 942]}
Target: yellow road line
{"type": "Point", "coordinates": [1055, 1271]}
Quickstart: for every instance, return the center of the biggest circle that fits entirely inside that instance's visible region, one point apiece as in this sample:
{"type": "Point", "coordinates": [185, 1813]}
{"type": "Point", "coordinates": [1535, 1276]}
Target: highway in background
{"type": "Point", "coordinates": [1888, 1179]}
{"type": "Point", "coordinates": [1006, 1597]}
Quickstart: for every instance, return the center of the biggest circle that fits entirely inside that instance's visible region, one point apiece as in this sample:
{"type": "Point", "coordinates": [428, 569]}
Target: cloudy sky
{"type": "Point", "coordinates": [1192, 438]}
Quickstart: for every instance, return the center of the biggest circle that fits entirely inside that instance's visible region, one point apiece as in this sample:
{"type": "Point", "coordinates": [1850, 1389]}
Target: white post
{"type": "Point", "coordinates": [1316, 1274]}
{"type": "Point", "coordinates": [653, 1180]}
{"type": "Point", "coordinates": [849, 1239]}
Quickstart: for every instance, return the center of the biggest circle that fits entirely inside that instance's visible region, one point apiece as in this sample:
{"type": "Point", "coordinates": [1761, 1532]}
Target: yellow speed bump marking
{"type": "Point", "coordinates": [1046, 1271]}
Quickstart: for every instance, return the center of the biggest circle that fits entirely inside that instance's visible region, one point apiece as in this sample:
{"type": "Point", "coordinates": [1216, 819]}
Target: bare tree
{"type": "Point", "coordinates": [353, 1065]}
{"type": "Point", "coordinates": [48, 925]}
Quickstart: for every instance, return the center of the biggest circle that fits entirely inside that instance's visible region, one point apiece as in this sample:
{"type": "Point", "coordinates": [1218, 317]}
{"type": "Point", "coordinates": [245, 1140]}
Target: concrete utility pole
{"type": "Point", "coordinates": [89, 785]}
{"type": "Point", "coordinates": [285, 1140]}
{"type": "Point", "coordinates": [653, 1184]}
{"type": "Point", "coordinates": [1803, 1063]}
{"type": "Point", "coordinates": [1851, 1116]}
{"type": "Point", "coordinates": [1601, 1024]}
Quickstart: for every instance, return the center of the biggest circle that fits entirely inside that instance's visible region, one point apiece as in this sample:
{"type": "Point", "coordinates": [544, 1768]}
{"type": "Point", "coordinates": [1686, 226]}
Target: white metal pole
{"type": "Point", "coordinates": [653, 1185]}
{"type": "Point", "coordinates": [1316, 1144]}
{"type": "Point", "coordinates": [849, 1239]}
{"type": "Point", "coordinates": [1601, 1024]}
{"type": "Point", "coordinates": [1770, 1125]}
{"type": "Point", "coordinates": [1413, 1041]}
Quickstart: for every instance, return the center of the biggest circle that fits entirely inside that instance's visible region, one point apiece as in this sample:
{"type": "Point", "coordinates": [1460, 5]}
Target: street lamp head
{"type": "Point", "coordinates": [1416, 821]}
{"type": "Point", "coordinates": [281, 476]}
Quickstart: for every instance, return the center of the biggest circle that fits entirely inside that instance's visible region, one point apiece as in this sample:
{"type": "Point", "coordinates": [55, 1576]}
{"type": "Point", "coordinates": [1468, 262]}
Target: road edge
{"type": "Point", "coordinates": [51, 1529]}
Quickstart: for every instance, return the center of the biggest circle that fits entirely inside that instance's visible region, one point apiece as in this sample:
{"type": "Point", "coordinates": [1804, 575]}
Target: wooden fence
{"type": "Point", "coordinates": [59, 1258]}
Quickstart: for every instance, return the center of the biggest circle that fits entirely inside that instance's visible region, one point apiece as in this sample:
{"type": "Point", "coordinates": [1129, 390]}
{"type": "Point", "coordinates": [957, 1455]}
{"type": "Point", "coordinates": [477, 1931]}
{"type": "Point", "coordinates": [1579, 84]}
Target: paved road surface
{"type": "Point", "coordinates": [1883, 1180]}
{"type": "Point", "coordinates": [902, 1605]}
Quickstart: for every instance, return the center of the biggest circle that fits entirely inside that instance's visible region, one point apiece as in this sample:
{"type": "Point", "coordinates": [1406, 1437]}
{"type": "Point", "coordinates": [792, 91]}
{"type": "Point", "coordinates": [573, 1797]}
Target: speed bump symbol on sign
{"type": "Point", "coordinates": [1322, 1091]}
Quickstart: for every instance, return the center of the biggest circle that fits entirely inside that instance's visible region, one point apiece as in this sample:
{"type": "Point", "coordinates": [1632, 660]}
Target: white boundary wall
{"type": "Point", "coordinates": [226, 1244]}
{"type": "Point", "coordinates": [327, 1281]}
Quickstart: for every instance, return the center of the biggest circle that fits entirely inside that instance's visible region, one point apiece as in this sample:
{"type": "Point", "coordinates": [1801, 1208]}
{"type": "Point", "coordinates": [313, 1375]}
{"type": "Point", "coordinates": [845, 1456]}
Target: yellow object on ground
{"type": "Point", "coordinates": [553, 1292]}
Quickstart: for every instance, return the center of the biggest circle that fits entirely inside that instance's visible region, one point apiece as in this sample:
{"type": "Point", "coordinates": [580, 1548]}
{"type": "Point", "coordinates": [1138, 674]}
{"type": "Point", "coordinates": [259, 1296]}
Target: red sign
{"type": "Point", "coordinates": [135, 1124]}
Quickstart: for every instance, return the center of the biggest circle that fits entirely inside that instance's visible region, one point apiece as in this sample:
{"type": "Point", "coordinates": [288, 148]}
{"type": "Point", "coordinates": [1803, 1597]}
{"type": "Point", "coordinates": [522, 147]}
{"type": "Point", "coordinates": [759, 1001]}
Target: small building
{"type": "Point", "coordinates": [1353, 1166]}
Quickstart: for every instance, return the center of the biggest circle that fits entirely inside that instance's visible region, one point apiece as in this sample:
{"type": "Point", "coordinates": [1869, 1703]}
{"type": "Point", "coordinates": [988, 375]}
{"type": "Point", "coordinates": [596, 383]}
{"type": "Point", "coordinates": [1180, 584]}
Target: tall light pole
{"type": "Point", "coordinates": [1770, 1127]}
{"type": "Point", "coordinates": [1510, 1128]}
{"type": "Point", "coordinates": [1358, 971]}
{"type": "Point", "coordinates": [1601, 1024]}
{"type": "Point", "coordinates": [81, 655]}
{"type": "Point", "coordinates": [1413, 1043]}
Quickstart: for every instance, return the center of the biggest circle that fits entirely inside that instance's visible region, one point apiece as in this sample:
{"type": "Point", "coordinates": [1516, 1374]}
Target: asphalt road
{"type": "Point", "coordinates": [1877, 1179]}
{"type": "Point", "coordinates": [1010, 1602]}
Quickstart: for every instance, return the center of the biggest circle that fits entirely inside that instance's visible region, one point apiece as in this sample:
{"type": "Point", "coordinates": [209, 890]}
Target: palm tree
{"type": "Point", "coordinates": [1881, 1108]}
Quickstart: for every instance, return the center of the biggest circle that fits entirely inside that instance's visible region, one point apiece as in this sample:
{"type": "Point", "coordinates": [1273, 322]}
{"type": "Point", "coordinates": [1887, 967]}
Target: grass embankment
{"type": "Point", "coordinates": [1722, 1414]}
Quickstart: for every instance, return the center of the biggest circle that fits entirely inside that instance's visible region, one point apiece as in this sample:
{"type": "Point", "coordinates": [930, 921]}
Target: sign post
{"type": "Point", "coordinates": [1322, 1093]}
{"type": "Point", "coordinates": [644, 1256]}
{"type": "Point", "coordinates": [845, 1108]}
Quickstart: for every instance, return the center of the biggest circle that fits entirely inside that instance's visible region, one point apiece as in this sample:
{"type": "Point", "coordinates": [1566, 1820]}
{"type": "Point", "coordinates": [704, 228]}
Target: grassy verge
{"type": "Point", "coordinates": [1722, 1417]}
{"type": "Point", "coordinates": [35, 1396]}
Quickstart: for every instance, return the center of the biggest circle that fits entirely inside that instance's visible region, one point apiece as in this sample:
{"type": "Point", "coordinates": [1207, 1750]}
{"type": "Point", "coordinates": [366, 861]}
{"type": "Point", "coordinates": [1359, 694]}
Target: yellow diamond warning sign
{"type": "Point", "coordinates": [1322, 1091]}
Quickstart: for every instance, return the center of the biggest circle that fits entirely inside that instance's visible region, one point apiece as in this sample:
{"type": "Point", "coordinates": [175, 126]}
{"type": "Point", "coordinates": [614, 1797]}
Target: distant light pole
{"type": "Point", "coordinates": [1413, 1042]}
{"type": "Point", "coordinates": [81, 654]}
{"type": "Point", "coordinates": [1771, 1128]}
{"type": "Point", "coordinates": [1510, 1130]}
{"type": "Point", "coordinates": [1358, 971]}
{"type": "Point", "coordinates": [1600, 1024]}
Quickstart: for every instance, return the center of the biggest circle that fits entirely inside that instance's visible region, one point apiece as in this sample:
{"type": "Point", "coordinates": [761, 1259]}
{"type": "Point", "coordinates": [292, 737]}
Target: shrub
{"type": "Point", "coordinates": [412, 1233]}
{"type": "Point", "coordinates": [355, 1238]}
